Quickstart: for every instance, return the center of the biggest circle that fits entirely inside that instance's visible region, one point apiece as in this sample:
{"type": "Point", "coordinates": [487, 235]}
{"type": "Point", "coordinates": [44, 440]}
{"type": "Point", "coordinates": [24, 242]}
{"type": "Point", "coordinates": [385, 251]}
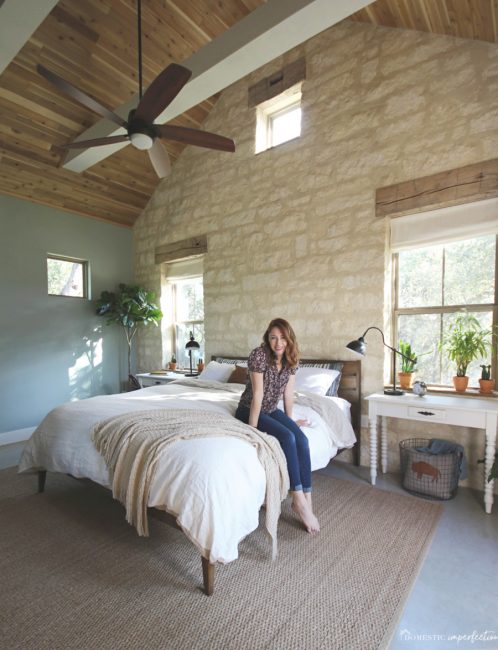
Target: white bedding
{"type": "Point", "coordinates": [214, 486]}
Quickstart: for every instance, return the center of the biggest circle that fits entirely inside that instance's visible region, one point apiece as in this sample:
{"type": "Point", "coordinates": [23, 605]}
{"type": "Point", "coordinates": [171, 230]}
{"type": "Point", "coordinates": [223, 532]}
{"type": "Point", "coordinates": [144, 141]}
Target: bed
{"type": "Point", "coordinates": [200, 484]}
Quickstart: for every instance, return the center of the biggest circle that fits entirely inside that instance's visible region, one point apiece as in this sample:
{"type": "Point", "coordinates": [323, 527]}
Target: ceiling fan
{"type": "Point", "coordinates": [141, 131]}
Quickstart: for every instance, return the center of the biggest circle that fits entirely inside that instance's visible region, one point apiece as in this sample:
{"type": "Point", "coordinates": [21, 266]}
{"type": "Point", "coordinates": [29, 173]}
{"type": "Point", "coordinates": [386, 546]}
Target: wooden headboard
{"type": "Point", "coordinates": [349, 389]}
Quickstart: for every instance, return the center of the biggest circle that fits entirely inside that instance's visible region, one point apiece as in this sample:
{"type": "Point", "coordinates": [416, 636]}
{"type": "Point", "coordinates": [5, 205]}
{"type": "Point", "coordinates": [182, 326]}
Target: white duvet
{"type": "Point", "coordinates": [214, 486]}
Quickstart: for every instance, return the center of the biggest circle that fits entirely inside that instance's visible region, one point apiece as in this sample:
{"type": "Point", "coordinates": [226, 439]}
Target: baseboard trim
{"type": "Point", "coordinates": [19, 435]}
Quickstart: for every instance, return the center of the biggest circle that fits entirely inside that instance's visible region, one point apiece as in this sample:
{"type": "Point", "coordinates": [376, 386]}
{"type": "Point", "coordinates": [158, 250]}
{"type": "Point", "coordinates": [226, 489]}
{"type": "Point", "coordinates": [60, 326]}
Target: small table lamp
{"type": "Point", "coordinates": [359, 347]}
{"type": "Point", "coordinates": [191, 345]}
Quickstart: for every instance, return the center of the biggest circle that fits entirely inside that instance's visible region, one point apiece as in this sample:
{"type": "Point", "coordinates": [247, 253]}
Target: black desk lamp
{"type": "Point", "coordinates": [359, 347]}
{"type": "Point", "coordinates": [191, 345]}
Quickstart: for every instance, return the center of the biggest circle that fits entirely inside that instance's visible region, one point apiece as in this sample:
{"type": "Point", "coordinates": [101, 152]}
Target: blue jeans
{"type": "Point", "coordinates": [293, 441]}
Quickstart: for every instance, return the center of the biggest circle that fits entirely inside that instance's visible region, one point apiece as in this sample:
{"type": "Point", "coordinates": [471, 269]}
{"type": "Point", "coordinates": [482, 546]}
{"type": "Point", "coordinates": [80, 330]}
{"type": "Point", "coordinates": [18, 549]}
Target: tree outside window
{"type": "Point", "coordinates": [67, 277]}
{"type": "Point", "coordinates": [188, 317]}
{"type": "Point", "coordinates": [434, 284]}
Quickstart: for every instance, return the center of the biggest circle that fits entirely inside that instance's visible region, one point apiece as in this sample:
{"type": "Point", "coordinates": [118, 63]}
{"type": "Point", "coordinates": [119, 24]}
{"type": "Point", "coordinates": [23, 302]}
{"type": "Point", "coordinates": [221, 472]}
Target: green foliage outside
{"type": "Point", "coordinates": [447, 277]}
{"type": "Point", "coordinates": [131, 307]}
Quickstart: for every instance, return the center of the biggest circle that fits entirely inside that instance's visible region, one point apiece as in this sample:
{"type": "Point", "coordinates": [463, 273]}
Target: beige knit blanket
{"type": "Point", "coordinates": [132, 445]}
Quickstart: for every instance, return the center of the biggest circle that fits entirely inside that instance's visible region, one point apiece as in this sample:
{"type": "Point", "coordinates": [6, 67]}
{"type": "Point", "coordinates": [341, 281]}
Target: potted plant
{"type": "Point", "coordinates": [464, 342]}
{"type": "Point", "coordinates": [486, 384]}
{"type": "Point", "coordinates": [408, 365]}
{"type": "Point", "coordinates": [200, 365]}
{"type": "Point", "coordinates": [131, 307]}
{"type": "Point", "coordinates": [172, 363]}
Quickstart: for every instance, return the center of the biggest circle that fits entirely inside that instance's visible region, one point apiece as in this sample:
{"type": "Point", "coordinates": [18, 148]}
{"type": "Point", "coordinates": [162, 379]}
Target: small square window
{"type": "Point", "coordinates": [67, 277]}
{"type": "Point", "coordinates": [278, 120]}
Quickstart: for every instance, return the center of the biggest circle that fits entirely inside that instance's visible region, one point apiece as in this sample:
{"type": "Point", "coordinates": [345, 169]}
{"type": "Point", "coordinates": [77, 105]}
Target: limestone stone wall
{"type": "Point", "coordinates": [292, 231]}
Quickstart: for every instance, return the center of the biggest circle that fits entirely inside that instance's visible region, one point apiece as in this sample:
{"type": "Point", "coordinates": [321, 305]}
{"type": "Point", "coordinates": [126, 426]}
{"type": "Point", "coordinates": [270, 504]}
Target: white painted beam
{"type": "Point", "coordinates": [266, 33]}
{"type": "Point", "coordinates": [18, 21]}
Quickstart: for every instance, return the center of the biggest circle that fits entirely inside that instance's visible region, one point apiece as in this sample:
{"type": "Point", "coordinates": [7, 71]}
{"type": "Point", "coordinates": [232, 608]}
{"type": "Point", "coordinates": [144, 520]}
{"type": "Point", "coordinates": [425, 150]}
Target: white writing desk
{"type": "Point", "coordinates": [444, 409]}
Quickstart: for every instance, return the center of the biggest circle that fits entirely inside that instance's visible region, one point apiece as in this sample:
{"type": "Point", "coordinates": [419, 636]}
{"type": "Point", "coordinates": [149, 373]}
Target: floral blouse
{"type": "Point", "coordinates": [274, 382]}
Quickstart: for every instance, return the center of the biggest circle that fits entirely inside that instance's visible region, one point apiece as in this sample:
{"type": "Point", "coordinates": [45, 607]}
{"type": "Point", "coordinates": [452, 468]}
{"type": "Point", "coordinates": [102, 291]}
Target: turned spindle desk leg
{"type": "Point", "coordinates": [488, 461]}
{"type": "Point", "coordinates": [383, 444]}
{"type": "Point", "coordinates": [373, 448]}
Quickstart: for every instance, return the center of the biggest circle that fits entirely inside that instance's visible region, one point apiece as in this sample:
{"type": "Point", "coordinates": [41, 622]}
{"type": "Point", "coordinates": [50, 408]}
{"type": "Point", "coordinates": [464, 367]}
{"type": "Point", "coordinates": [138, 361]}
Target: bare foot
{"type": "Point", "coordinates": [303, 510]}
{"type": "Point", "coordinates": [308, 499]}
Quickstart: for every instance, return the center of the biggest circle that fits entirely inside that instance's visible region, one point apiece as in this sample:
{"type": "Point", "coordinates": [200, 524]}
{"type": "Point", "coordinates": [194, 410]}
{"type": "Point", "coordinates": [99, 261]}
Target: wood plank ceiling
{"type": "Point", "coordinates": [92, 44]}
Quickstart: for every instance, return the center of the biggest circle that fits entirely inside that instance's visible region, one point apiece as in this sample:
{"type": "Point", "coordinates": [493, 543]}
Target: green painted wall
{"type": "Point", "coordinates": [52, 348]}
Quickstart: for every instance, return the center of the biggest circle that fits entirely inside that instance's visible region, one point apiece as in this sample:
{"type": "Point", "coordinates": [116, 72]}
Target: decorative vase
{"type": "Point", "coordinates": [460, 383]}
{"type": "Point", "coordinates": [405, 380]}
{"type": "Point", "coordinates": [486, 386]}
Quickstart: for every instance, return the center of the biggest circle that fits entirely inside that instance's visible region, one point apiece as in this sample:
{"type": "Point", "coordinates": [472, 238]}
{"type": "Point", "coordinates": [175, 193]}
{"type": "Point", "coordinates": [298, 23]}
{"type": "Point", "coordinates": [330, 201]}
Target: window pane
{"type": "Point", "coordinates": [420, 277]}
{"type": "Point", "coordinates": [65, 277]}
{"type": "Point", "coordinates": [190, 300]}
{"type": "Point", "coordinates": [470, 271]}
{"type": "Point", "coordinates": [286, 126]}
{"type": "Point", "coordinates": [423, 331]}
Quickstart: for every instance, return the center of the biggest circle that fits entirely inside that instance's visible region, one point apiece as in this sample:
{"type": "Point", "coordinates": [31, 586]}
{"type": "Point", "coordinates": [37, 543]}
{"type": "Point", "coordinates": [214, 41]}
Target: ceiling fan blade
{"type": "Point", "coordinates": [162, 91]}
{"type": "Point", "coordinates": [195, 137]}
{"type": "Point", "coordinates": [97, 142]}
{"type": "Point", "coordinates": [160, 159]}
{"type": "Point", "coordinates": [80, 96]}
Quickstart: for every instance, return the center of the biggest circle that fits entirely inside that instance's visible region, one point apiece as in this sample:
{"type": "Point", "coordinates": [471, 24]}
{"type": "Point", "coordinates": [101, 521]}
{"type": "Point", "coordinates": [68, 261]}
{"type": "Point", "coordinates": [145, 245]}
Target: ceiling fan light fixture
{"type": "Point", "coordinates": [141, 141]}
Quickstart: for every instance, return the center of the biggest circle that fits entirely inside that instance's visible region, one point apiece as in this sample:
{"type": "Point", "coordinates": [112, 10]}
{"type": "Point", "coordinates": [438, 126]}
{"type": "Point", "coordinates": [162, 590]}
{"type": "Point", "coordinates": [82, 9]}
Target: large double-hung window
{"type": "Point", "coordinates": [182, 303]}
{"type": "Point", "coordinates": [444, 262]}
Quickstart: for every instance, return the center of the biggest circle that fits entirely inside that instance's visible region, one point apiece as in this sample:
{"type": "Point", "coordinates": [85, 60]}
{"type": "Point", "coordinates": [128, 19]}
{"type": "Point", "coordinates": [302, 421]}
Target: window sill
{"type": "Point", "coordinates": [447, 390]}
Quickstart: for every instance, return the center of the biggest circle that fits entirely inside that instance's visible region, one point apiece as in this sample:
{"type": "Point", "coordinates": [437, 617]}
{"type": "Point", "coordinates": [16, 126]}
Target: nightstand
{"type": "Point", "coordinates": [152, 379]}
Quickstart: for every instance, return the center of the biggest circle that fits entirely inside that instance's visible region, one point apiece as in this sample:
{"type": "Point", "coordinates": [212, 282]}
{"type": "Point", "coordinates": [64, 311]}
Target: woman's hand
{"type": "Point", "coordinates": [303, 422]}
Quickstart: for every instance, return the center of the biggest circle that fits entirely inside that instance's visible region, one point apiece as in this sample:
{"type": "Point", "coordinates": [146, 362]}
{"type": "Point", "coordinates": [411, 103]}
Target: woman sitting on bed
{"type": "Point", "coordinates": [272, 368]}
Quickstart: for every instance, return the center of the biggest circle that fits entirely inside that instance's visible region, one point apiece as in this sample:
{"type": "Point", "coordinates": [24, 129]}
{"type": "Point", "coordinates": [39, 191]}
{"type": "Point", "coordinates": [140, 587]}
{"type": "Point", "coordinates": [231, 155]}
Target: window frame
{"type": "Point", "coordinates": [175, 321]}
{"type": "Point", "coordinates": [283, 103]}
{"type": "Point", "coordinates": [85, 274]}
{"type": "Point", "coordinates": [272, 116]}
{"type": "Point", "coordinates": [481, 307]}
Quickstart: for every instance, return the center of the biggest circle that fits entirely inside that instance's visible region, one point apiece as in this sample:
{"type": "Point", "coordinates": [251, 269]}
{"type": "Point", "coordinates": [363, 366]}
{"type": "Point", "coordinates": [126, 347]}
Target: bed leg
{"type": "Point", "coordinates": [42, 475]}
{"type": "Point", "coordinates": [208, 576]}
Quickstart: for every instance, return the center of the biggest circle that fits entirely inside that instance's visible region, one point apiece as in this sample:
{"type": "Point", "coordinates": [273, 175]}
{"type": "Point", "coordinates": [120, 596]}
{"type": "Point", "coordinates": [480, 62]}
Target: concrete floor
{"type": "Point", "coordinates": [454, 602]}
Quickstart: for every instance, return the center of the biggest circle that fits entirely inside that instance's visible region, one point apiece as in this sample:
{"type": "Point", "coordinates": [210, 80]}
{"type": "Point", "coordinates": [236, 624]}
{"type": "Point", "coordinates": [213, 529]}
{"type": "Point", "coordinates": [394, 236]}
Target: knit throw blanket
{"type": "Point", "coordinates": [132, 445]}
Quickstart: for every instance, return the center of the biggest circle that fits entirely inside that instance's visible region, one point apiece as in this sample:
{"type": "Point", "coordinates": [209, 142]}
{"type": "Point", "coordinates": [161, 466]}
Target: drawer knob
{"type": "Point", "coordinates": [425, 413]}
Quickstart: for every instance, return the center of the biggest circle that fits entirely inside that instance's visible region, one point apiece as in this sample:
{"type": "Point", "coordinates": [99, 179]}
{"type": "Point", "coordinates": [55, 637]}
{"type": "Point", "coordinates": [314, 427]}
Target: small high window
{"type": "Point", "coordinates": [278, 120]}
{"type": "Point", "coordinates": [67, 276]}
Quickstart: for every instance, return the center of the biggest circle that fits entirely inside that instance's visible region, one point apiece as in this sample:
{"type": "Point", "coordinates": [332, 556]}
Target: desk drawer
{"type": "Point", "coordinates": [461, 418]}
{"type": "Point", "coordinates": [426, 413]}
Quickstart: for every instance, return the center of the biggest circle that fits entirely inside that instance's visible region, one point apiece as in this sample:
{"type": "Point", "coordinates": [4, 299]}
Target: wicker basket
{"type": "Point", "coordinates": [429, 475]}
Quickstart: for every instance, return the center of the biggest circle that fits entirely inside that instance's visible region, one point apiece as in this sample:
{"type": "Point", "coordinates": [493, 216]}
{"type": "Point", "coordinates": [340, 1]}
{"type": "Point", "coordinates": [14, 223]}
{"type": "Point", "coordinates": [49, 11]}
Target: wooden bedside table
{"type": "Point", "coordinates": [153, 379]}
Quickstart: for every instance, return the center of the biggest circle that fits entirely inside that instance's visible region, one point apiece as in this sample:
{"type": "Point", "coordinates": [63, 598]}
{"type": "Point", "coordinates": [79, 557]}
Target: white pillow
{"type": "Point", "coordinates": [217, 371]}
{"type": "Point", "coordinates": [315, 380]}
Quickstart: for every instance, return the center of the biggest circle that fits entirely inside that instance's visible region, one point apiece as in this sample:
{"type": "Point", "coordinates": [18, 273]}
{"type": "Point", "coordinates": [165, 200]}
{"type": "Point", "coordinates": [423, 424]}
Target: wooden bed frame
{"type": "Point", "coordinates": [349, 389]}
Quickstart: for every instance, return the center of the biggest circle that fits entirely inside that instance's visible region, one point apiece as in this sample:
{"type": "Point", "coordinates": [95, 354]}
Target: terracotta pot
{"type": "Point", "coordinates": [405, 380]}
{"type": "Point", "coordinates": [200, 366]}
{"type": "Point", "coordinates": [486, 386]}
{"type": "Point", "coordinates": [460, 384]}
{"type": "Point", "coordinates": [172, 366]}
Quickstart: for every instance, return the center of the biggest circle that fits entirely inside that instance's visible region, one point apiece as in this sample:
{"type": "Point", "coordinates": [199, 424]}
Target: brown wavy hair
{"type": "Point", "coordinates": [292, 348]}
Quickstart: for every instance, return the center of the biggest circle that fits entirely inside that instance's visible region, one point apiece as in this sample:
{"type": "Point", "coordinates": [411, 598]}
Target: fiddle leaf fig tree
{"type": "Point", "coordinates": [131, 307]}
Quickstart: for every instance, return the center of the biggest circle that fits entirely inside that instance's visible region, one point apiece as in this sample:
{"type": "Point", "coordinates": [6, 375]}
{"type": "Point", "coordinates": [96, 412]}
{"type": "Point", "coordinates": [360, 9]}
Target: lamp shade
{"type": "Point", "coordinates": [358, 346]}
{"type": "Point", "coordinates": [192, 343]}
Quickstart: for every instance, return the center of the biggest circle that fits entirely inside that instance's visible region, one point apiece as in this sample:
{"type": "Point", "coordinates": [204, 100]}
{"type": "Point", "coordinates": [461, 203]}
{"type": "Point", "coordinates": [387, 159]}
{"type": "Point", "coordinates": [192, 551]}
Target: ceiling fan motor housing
{"type": "Point", "coordinates": [141, 134]}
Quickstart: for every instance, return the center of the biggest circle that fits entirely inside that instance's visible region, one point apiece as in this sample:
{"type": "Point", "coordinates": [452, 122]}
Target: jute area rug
{"type": "Point", "coordinates": [75, 575]}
